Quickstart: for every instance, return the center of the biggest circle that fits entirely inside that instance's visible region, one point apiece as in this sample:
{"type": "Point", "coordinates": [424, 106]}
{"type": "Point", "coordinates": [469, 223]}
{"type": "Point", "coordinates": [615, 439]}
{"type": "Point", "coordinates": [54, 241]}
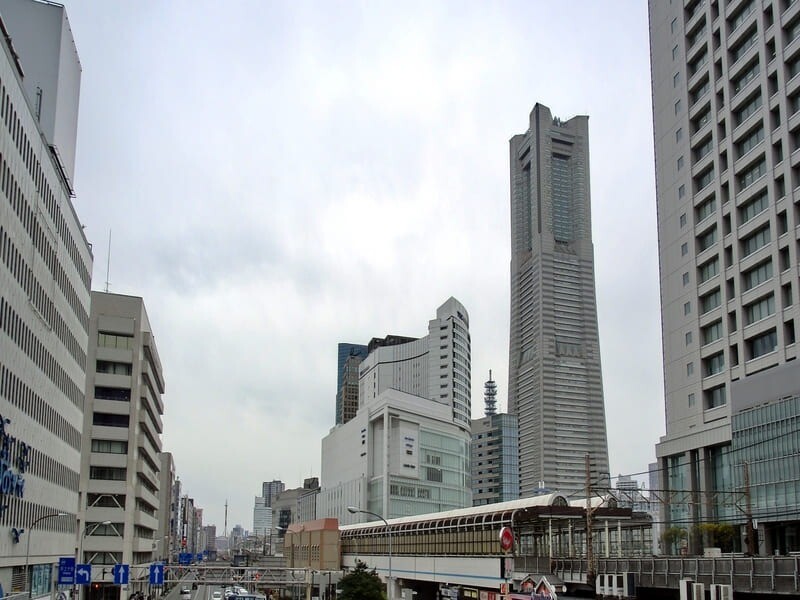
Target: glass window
{"type": "Point", "coordinates": [715, 397]}
{"type": "Point", "coordinates": [750, 107]}
{"type": "Point", "coordinates": [758, 275]}
{"type": "Point", "coordinates": [759, 310]}
{"type": "Point", "coordinates": [751, 141]}
{"type": "Point", "coordinates": [706, 208]}
{"type": "Point", "coordinates": [708, 239]}
{"type": "Point", "coordinates": [708, 270]}
{"type": "Point", "coordinates": [755, 206]}
{"type": "Point", "coordinates": [112, 340]}
{"type": "Point", "coordinates": [710, 301]}
{"type": "Point", "coordinates": [714, 364]}
{"type": "Point", "coordinates": [756, 241]}
{"type": "Point", "coordinates": [752, 174]}
{"type": "Point", "coordinates": [763, 344]}
{"type": "Point", "coordinates": [711, 332]}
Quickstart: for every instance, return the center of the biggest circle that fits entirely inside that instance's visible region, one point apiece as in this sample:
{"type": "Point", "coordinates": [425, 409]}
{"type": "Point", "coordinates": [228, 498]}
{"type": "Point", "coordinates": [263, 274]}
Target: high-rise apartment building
{"type": "Point", "coordinates": [349, 357]}
{"type": "Point", "coordinates": [555, 382]}
{"type": "Point", "coordinates": [45, 271]}
{"type": "Point", "coordinates": [120, 474]}
{"type": "Point", "coordinates": [726, 117]}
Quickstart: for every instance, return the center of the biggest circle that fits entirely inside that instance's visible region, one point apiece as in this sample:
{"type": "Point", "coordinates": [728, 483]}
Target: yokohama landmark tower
{"type": "Point", "coordinates": [555, 382]}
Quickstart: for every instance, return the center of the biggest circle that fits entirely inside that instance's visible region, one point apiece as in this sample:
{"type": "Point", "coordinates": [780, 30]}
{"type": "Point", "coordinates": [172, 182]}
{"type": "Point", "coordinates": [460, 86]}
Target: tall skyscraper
{"type": "Point", "coordinates": [45, 271]}
{"type": "Point", "coordinates": [726, 118]}
{"type": "Point", "coordinates": [120, 474]}
{"type": "Point", "coordinates": [555, 383]}
{"type": "Point", "coordinates": [349, 357]}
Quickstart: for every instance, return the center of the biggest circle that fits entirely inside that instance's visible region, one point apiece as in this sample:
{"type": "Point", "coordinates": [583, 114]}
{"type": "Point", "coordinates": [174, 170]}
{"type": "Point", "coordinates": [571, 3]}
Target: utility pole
{"type": "Point", "coordinates": [590, 574]}
{"type": "Point", "coordinates": [751, 532]}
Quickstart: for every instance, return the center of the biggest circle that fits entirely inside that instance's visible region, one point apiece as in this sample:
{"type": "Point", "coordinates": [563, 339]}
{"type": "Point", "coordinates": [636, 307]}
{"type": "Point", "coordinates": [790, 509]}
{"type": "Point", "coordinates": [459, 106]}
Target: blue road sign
{"type": "Point", "coordinates": [157, 574]}
{"type": "Point", "coordinates": [66, 570]}
{"type": "Point", "coordinates": [184, 558]}
{"type": "Point", "coordinates": [83, 574]}
{"type": "Point", "coordinates": [199, 557]}
{"type": "Point", "coordinates": [121, 572]}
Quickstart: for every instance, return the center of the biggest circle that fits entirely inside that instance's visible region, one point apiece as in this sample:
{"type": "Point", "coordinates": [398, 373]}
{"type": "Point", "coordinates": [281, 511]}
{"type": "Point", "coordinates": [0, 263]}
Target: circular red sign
{"type": "Point", "coordinates": [506, 539]}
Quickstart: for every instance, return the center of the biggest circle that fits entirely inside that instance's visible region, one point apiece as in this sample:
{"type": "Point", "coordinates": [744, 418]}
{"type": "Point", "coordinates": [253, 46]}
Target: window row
{"type": "Point", "coordinates": [17, 393]}
{"type": "Point", "coordinates": [27, 341]}
{"type": "Point", "coordinates": [41, 300]}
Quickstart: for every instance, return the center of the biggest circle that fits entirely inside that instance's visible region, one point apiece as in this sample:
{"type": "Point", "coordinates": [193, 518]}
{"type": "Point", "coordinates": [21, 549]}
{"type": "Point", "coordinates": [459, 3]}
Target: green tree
{"type": "Point", "coordinates": [361, 584]}
{"type": "Point", "coordinates": [672, 537]}
{"type": "Point", "coordinates": [718, 535]}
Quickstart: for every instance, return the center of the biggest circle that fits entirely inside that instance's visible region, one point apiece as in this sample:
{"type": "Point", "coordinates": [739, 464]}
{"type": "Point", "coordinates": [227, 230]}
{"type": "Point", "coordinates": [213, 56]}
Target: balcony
{"type": "Point", "coordinates": [142, 492]}
{"type": "Point", "coordinates": [145, 520]}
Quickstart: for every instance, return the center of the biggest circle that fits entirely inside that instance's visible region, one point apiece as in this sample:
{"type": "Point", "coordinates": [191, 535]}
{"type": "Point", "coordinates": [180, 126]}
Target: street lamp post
{"type": "Point", "coordinates": [28, 546]}
{"type": "Point", "coordinates": [354, 510]}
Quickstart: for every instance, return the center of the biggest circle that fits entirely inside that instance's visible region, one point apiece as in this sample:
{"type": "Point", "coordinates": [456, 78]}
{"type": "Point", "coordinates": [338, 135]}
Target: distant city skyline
{"type": "Point", "coordinates": [363, 173]}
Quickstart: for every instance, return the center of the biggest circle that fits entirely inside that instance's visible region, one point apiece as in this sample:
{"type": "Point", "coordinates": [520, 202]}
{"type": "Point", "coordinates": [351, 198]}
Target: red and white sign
{"type": "Point", "coordinates": [506, 539]}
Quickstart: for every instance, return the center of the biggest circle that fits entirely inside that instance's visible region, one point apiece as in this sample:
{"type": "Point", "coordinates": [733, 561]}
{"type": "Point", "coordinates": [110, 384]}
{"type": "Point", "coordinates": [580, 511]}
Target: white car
{"type": "Point", "coordinates": [186, 593]}
{"type": "Point", "coordinates": [216, 595]}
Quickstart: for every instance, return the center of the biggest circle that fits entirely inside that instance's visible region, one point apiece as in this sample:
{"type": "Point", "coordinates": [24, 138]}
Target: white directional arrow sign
{"type": "Point", "coordinates": [156, 574]}
{"type": "Point", "coordinates": [83, 574]}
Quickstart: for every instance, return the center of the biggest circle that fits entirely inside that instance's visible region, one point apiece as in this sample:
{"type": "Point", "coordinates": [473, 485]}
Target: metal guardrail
{"type": "Point", "coordinates": [771, 574]}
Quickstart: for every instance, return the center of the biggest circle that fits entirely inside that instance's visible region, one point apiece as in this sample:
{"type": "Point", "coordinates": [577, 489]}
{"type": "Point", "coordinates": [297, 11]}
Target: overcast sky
{"type": "Point", "coordinates": [278, 177]}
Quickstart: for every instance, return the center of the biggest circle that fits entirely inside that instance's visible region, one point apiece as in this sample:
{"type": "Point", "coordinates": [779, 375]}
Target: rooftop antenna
{"type": "Point", "coordinates": [108, 260]}
{"type": "Point", "coordinates": [490, 396]}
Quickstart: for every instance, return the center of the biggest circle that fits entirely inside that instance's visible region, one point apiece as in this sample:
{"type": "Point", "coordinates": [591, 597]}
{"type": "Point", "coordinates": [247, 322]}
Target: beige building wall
{"type": "Point", "coordinates": [120, 478]}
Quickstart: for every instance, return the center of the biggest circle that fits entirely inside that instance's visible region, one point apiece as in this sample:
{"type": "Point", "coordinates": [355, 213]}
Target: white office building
{"type": "Point", "coordinates": [436, 367]}
{"type": "Point", "coordinates": [120, 478]}
{"type": "Point", "coordinates": [400, 456]}
{"type": "Point", "coordinates": [45, 270]}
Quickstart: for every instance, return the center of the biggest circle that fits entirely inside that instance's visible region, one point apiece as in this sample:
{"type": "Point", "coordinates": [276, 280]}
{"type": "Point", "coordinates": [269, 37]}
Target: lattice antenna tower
{"type": "Point", "coordinates": [490, 396]}
{"type": "Point", "coordinates": [225, 531]}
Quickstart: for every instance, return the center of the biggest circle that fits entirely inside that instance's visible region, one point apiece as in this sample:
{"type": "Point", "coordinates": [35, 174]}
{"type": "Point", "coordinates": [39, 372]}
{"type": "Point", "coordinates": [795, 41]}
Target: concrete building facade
{"type": "Point", "coordinates": [121, 455]}
{"type": "Point", "coordinates": [555, 381]}
{"type": "Point", "coordinates": [400, 456]}
{"type": "Point", "coordinates": [726, 117]}
{"type": "Point", "coordinates": [436, 367]}
{"type": "Point", "coordinates": [45, 271]}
